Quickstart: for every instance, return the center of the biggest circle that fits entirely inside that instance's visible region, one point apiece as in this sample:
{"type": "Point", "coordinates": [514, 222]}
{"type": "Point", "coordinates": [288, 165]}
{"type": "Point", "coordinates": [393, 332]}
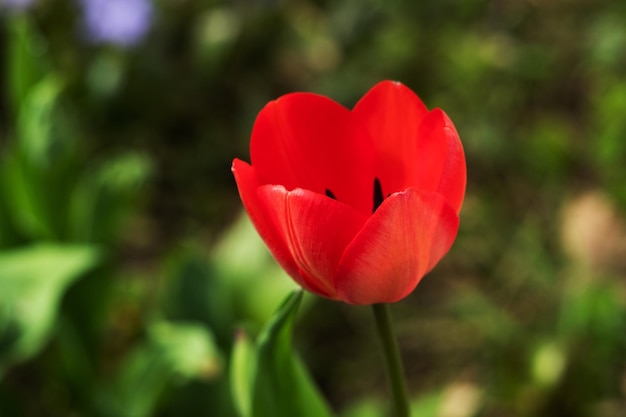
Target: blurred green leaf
{"type": "Point", "coordinates": [548, 151]}
{"type": "Point", "coordinates": [40, 136]}
{"type": "Point", "coordinates": [488, 320]}
{"type": "Point", "coordinates": [32, 281]}
{"type": "Point", "coordinates": [282, 387]}
{"type": "Point", "coordinates": [195, 292]}
{"type": "Point", "coordinates": [174, 352]}
{"type": "Point", "coordinates": [25, 210]}
{"type": "Point", "coordinates": [427, 405]}
{"type": "Point", "coordinates": [548, 363]}
{"type": "Point", "coordinates": [105, 74]}
{"type": "Point", "coordinates": [609, 146]}
{"type": "Point", "coordinates": [26, 59]}
{"type": "Point", "coordinates": [607, 40]}
{"type": "Point", "coordinates": [595, 311]}
{"type": "Point", "coordinates": [105, 195]}
{"type": "Point", "coordinates": [243, 262]}
{"type": "Point", "coordinates": [38, 171]}
{"type": "Point", "coordinates": [366, 408]}
{"type": "Point", "coordinates": [187, 348]}
{"type": "Point", "coordinates": [243, 364]}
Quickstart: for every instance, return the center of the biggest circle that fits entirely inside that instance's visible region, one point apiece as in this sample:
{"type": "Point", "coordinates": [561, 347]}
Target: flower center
{"type": "Point", "coordinates": [378, 194]}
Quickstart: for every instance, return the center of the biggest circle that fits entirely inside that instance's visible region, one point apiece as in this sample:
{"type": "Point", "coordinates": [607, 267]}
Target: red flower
{"type": "Point", "coordinates": [355, 205]}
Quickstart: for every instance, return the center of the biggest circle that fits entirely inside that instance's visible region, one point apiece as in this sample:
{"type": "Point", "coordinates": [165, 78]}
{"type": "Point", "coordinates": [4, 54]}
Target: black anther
{"type": "Point", "coordinates": [378, 194]}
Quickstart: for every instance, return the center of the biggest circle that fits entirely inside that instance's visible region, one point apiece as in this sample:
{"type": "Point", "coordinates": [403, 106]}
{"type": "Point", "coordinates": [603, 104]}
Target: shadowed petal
{"type": "Point", "coordinates": [317, 230]}
{"type": "Point", "coordinates": [392, 114]}
{"type": "Point", "coordinates": [440, 164]}
{"type": "Point", "coordinates": [406, 237]}
{"type": "Point", "coordinates": [308, 141]}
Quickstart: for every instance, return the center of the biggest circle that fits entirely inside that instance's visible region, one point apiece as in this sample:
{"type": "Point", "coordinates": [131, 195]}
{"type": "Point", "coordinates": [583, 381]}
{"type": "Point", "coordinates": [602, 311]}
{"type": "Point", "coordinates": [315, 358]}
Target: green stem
{"type": "Point", "coordinates": [392, 360]}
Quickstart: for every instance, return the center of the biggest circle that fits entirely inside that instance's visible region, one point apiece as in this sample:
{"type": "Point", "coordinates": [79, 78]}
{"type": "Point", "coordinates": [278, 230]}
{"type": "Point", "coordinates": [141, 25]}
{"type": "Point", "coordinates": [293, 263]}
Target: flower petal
{"type": "Point", "coordinates": [440, 164]}
{"type": "Point", "coordinates": [406, 237]}
{"type": "Point", "coordinates": [248, 185]}
{"type": "Point", "coordinates": [392, 114]}
{"type": "Point", "coordinates": [317, 230]}
{"type": "Point", "coordinates": [308, 141]}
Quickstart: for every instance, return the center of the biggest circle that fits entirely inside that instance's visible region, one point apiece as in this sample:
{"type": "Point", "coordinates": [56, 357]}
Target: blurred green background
{"type": "Point", "coordinates": [127, 268]}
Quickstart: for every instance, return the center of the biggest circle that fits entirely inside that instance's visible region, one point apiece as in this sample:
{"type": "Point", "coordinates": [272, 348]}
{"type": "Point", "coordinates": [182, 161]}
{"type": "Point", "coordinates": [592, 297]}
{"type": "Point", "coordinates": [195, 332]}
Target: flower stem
{"type": "Point", "coordinates": [392, 360]}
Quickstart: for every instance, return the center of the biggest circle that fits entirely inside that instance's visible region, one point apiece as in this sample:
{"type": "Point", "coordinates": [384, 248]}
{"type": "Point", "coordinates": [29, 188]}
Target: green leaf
{"type": "Point", "coordinates": [174, 352]}
{"type": "Point", "coordinates": [32, 281]}
{"type": "Point", "coordinates": [24, 206]}
{"type": "Point", "coordinates": [243, 364]}
{"type": "Point", "coordinates": [244, 264]}
{"type": "Point", "coordinates": [104, 196]}
{"type": "Point", "coordinates": [368, 407]}
{"type": "Point", "coordinates": [39, 122]}
{"type": "Point", "coordinates": [38, 171]}
{"type": "Point", "coordinates": [427, 405]}
{"type": "Point", "coordinates": [282, 387]}
{"type": "Point", "coordinates": [188, 349]}
{"type": "Point", "coordinates": [26, 57]}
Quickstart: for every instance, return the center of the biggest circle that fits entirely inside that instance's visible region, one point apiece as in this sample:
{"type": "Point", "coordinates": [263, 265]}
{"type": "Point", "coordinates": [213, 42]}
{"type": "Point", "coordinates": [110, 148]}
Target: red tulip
{"type": "Point", "coordinates": [355, 205]}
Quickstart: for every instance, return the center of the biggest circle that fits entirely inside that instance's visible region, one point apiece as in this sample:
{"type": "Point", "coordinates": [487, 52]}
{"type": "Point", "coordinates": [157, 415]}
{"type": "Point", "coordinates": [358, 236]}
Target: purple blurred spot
{"type": "Point", "coordinates": [120, 22]}
{"type": "Point", "coordinates": [16, 4]}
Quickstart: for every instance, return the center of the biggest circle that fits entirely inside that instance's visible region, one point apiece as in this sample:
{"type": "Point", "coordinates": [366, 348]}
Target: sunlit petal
{"type": "Point", "coordinates": [309, 141]}
{"type": "Point", "coordinates": [399, 244]}
{"type": "Point", "coordinates": [316, 229]}
{"type": "Point", "coordinates": [392, 114]}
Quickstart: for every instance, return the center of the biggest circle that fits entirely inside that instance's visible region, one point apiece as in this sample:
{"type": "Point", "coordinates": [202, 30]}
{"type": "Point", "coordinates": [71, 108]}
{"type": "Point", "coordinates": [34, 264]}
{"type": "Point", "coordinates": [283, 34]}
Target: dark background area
{"type": "Point", "coordinates": [126, 264]}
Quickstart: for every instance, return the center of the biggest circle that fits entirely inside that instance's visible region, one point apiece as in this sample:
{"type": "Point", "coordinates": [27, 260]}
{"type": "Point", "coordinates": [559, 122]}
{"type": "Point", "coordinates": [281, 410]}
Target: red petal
{"type": "Point", "coordinates": [406, 237]}
{"type": "Point", "coordinates": [392, 114]}
{"type": "Point", "coordinates": [440, 164]}
{"type": "Point", "coordinates": [248, 185]}
{"type": "Point", "coordinates": [317, 230]}
{"type": "Point", "coordinates": [308, 141]}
